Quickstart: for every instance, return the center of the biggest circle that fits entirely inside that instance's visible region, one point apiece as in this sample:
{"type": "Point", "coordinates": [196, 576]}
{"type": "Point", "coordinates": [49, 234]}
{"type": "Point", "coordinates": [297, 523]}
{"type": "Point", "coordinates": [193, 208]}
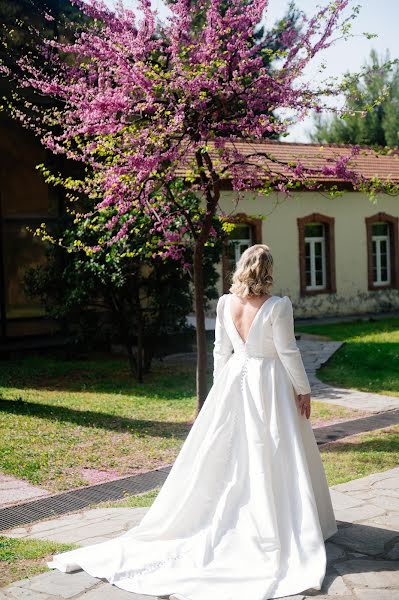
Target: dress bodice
{"type": "Point", "coordinates": [271, 336]}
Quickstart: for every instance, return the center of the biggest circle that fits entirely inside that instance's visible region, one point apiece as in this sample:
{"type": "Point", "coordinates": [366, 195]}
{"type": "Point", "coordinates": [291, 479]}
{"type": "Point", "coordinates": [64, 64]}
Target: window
{"type": "Point", "coordinates": [382, 250]}
{"type": "Point", "coordinates": [21, 252]}
{"type": "Point", "coordinates": [247, 231]}
{"type": "Point", "coordinates": [239, 240]}
{"type": "Point", "coordinates": [316, 254]}
{"type": "Point", "coordinates": [381, 254]}
{"type": "Point", "coordinates": [25, 200]}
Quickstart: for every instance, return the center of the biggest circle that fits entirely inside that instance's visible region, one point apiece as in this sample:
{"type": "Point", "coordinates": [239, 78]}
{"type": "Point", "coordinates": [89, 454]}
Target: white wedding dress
{"type": "Point", "coordinates": [245, 509]}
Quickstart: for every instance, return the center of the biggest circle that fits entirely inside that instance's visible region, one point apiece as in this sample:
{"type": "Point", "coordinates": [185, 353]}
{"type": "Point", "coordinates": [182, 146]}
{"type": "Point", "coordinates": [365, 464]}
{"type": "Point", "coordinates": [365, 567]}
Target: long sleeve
{"type": "Point", "coordinates": [282, 319]}
{"type": "Point", "coordinates": [222, 345]}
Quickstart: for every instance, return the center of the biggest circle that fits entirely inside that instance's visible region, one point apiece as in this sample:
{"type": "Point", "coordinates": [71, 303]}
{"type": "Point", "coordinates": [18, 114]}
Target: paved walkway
{"type": "Point", "coordinates": [13, 490]}
{"type": "Point", "coordinates": [315, 352]}
{"type": "Point", "coordinates": [363, 556]}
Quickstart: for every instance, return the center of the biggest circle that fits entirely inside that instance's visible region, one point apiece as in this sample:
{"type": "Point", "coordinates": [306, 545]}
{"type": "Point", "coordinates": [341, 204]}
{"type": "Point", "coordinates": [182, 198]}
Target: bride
{"type": "Point", "coordinates": [245, 509]}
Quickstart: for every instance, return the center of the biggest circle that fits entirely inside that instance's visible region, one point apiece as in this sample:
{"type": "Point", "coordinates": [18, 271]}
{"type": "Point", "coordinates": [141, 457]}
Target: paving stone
{"type": "Point", "coordinates": [392, 493]}
{"type": "Point", "coordinates": [388, 483]}
{"type": "Point", "coordinates": [327, 597]}
{"type": "Point", "coordinates": [296, 597]}
{"type": "Point", "coordinates": [356, 485]}
{"type": "Point", "coordinates": [370, 573]}
{"type": "Point", "coordinates": [62, 585]}
{"type": "Point", "coordinates": [358, 513]}
{"type": "Point", "coordinates": [21, 582]}
{"type": "Point", "coordinates": [377, 594]}
{"type": "Point", "coordinates": [137, 511]}
{"type": "Point", "coordinates": [76, 534]}
{"type": "Point", "coordinates": [97, 540]}
{"type": "Point", "coordinates": [13, 490]}
{"type": "Point", "coordinates": [341, 500]}
{"type": "Point", "coordinates": [364, 538]}
{"type": "Point", "coordinates": [84, 527]}
{"type": "Point", "coordinates": [387, 502]}
{"type": "Point", "coordinates": [333, 585]}
{"type": "Point", "coordinates": [363, 495]}
{"type": "Point", "coordinates": [21, 593]}
{"type": "Point", "coordinates": [111, 592]}
{"type": "Point", "coordinates": [386, 521]}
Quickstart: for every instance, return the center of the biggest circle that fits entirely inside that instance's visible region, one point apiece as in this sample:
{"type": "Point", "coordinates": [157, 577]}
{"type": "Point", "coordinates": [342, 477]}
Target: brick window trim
{"type": "Point", "coordinates": [394, 250]}
{"type": "Point", "coordinates": [256, 226]}
{"type": "Point", "coordinates": [329, 222]}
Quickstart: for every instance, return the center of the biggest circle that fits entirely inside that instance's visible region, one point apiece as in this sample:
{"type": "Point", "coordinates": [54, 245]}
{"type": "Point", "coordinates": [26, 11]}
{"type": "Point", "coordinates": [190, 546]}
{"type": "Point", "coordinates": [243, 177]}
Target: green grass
{"type": "Point", "coordinates": [21, 558]}
{"type": "Point", "coordinates": [139, 500]}
{"type": "Point", "coordinates": [369, 359]}
{"type": "Point", "coordinates": [355, 456]}
{"type": "Point", "coordinates": [361, 455]}
{"type": "Point", "coordinates": [58, 418]}
{"type": "Point", "coordinates": [67, 423]}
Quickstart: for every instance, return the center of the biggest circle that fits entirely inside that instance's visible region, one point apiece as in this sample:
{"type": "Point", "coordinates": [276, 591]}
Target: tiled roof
{"type": "Point", "coordinates": [367, 163]}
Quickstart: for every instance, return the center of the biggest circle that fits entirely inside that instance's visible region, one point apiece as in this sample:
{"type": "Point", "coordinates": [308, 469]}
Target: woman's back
{"type": "Point", "coordinates": [246, 508]}
{"type": "Point", "coordinates": [269, 335]}
{"type": "Point", "coordinates": [243, 312]}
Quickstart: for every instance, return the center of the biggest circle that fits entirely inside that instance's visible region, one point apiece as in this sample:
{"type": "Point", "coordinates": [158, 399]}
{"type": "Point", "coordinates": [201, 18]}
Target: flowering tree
{"type": "Point", "coordinates": [154, 110]}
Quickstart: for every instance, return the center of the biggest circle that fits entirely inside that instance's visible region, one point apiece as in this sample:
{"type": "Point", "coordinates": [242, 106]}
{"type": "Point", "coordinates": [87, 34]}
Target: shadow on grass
{"type": "Point", "coordinates": [102, 374]}
{"type": "Point", "coordinates": [388, 442]}
{"type": "Point", "coordinates": [95, 419]}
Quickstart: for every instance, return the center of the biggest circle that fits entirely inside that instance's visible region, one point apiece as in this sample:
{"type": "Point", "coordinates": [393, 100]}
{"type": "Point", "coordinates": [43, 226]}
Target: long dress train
{"type": "Point", "coordinates": [245, 509]}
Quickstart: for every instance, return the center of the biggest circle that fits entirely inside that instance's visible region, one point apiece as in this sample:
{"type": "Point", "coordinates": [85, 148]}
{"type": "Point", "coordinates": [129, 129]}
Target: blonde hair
{"type": "Point", "coordinates": [253, 273]}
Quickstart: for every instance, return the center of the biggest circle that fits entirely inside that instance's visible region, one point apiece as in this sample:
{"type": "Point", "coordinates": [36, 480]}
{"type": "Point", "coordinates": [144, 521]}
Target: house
{"type": "Point", "coordinates": [332, 256]}
{"type": "Point", "coordinates": [25, 199]}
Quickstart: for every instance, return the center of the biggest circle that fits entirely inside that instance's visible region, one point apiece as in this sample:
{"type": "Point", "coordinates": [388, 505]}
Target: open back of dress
{"type": "Point", "coordinates": [245, 509]}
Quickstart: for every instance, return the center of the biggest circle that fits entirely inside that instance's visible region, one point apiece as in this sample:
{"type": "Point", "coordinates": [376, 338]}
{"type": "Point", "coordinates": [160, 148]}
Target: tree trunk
{"type": "Point", "coordinates": [200, 326]}
{"type": "Point", "coordinates": [140, 336]}
{"type": "Point", "coordinates": [130, 358]}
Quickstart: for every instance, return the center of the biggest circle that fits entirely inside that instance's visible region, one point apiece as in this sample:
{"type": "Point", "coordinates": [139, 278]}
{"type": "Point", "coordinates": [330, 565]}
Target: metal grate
{"type": "Point", "coordinates": [337, 431]}
{"type": "Point", "coordinates": [51, 506]}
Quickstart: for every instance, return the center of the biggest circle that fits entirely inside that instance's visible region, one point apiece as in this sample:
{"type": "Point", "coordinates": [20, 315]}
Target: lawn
{"type": "Point", "coordinates": [355, 456]}
{"type": "Point", "coordinates": [360, 455]}
{"type": "Point", "coordinates": [21, 558]}
{"type": "Point", "coordinates": [369, 359]}
{"type": "Point", "coordinates": [68, 423]}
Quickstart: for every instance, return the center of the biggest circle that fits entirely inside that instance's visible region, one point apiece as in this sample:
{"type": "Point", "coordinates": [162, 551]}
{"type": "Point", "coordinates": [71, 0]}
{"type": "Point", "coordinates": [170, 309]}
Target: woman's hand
{"type": "Point", "coordinates": [304, 404]}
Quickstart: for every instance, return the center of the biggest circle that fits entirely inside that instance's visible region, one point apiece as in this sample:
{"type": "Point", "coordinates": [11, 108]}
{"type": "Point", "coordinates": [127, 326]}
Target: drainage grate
{"type": "Point", "coordinates": [51, 506]}
{"type": "Point", "coordinates": [337, 431]}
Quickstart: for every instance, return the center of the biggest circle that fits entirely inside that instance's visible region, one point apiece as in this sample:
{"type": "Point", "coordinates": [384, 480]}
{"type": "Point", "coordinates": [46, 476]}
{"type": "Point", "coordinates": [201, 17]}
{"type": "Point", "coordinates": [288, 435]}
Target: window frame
{"type": "Point", "coordinates": [256, 230]}
{"type": "Point", "coordinates": [393, 257]}
{"type": "Point", "coordinates": [312, 241]}
{"type": "Point", "coordinates": [329, 253]}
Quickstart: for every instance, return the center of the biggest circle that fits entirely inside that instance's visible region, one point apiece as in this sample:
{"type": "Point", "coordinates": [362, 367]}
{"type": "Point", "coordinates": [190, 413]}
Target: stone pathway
{"type": "Point", "coordinates": [20, 514]}
{"type": "Point", "coordinates": [317, 352]}
{"type": "Point", "coordinates": [13, 490]}
{"type": "Point", "coordinates": [363, 556]}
